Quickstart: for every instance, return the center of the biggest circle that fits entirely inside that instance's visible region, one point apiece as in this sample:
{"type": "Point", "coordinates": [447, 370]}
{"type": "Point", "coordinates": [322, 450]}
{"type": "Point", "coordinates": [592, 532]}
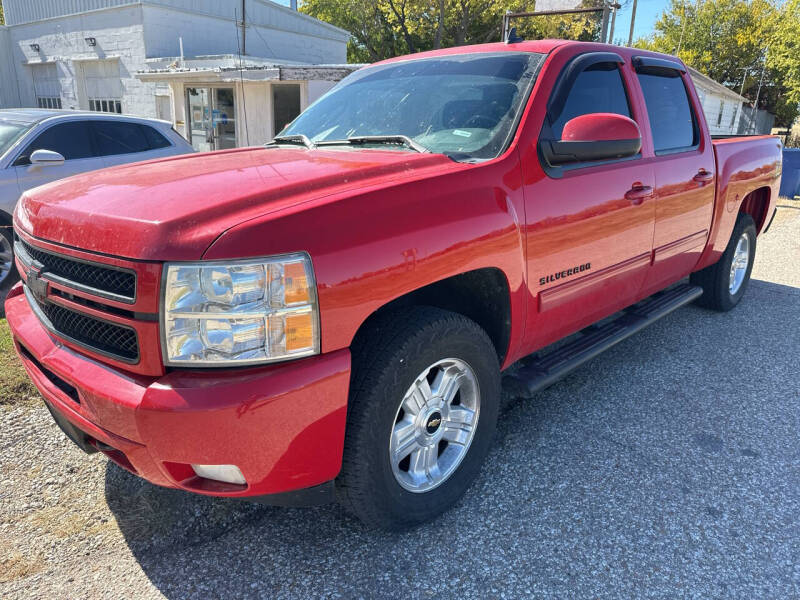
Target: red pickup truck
{"type": "Point", "coordinates": [328, 316]}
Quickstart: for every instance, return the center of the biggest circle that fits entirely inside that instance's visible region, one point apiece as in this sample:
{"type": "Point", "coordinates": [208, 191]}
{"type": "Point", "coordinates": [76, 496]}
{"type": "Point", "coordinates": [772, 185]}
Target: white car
{"type": "Point", "coordinates": [38, 146]}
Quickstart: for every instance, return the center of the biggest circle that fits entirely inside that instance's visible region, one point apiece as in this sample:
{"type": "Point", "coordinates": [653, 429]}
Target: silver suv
{"type": "Point", "coordinates": [38, 146]}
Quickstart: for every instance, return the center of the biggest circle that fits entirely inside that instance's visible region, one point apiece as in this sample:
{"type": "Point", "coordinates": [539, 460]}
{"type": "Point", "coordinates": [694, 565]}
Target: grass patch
{"type": "Point", "coordinates": [15, 386]}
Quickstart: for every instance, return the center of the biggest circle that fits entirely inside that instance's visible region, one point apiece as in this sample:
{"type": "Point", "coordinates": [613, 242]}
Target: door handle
{"type": "Point", "coordinates": [703, 176]}
{"type": "Point", "coordinates": [638, 193]}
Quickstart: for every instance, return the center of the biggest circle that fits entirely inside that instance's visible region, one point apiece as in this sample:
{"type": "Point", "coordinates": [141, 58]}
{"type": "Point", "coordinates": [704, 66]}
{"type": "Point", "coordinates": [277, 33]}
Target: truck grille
{"type": "Point", "coordinates": [115, 341]}
{"type": "Point", "coordinates": [118, 284]}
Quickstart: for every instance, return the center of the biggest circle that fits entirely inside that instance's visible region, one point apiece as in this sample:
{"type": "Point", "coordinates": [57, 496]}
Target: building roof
{"type": "Point", "coordinates": [229, 67]}
{"type": "Point", "coordinates": [705, 82]}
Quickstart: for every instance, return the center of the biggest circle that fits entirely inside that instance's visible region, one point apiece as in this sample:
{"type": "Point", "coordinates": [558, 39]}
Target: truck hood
{"type": "Point", "coordinates": [174, 208]}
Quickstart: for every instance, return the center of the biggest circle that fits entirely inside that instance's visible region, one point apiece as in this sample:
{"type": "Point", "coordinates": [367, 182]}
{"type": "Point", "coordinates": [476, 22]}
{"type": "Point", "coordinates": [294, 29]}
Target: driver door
{"type": "Point", "coordinates": [589, 225]}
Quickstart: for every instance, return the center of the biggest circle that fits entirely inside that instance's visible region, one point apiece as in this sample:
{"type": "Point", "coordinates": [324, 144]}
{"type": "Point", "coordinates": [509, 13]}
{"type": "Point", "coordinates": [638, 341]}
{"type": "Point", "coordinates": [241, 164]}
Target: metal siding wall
{"type": "Point", "coordinates": [27, 11]}
{"type": "Point", "coordinates": [259, 12]}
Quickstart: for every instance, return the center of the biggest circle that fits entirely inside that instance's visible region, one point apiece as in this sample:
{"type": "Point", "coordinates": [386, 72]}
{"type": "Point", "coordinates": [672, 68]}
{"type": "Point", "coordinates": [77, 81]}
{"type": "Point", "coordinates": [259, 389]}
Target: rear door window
{"type": "Point", "coordinates": [672, 120]}
{"type": "Point", "coordinates": [72, 140]}
{"type": "Point", "coordinates": [119, 137]}
{"type": "Point", "coordinates": [154, 138]}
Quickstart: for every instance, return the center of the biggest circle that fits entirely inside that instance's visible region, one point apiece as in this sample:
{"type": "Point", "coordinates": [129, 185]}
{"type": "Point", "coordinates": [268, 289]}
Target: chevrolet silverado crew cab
{"type": "Point", "coordinates": [329, 316]}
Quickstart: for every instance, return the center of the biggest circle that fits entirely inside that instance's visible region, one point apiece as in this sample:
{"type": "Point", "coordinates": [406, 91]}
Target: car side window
{"type": "Point", "coordinates": [672, 120]}
{"type": "Point", "coordinates": [119, 137]}
{"type": "Point", "coordinates": [154, 138]}
{"type": "Point", "coordinates": [598, 88]}
{"type": "Point", "coordinates": [72, 140]}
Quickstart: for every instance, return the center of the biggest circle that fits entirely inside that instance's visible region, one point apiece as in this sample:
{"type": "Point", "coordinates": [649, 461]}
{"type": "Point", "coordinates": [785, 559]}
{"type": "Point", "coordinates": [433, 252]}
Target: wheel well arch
{"type": "Point", "coordinates": [482, 295]}
{"type": "Point", "coordinates": [5, 219]}
{"type": "Point", "coordinates": [755, 204]}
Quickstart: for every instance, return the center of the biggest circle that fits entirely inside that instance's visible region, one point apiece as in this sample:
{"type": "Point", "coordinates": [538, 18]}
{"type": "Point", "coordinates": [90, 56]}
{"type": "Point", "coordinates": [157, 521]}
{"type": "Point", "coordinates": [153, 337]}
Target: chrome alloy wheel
{"type": "Point", "coordinates": [741, 260]}
{"type": "Point", "coordinates": [6, 258]}
{"type": "Point", "coordinates": [434, 425]}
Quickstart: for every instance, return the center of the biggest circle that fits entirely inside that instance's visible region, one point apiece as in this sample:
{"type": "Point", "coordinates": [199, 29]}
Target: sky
{"type": "Point", "coordinates": [647, 13]}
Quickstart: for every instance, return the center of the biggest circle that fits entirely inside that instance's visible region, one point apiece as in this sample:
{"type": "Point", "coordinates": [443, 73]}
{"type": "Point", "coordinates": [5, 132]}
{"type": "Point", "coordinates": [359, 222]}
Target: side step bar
{"type": "Point", "coordinates": [541, 372]}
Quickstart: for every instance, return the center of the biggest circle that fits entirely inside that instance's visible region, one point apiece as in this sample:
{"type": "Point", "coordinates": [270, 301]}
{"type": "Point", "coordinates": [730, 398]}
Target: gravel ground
{"type": "Point", "coordinates": [669, 466]}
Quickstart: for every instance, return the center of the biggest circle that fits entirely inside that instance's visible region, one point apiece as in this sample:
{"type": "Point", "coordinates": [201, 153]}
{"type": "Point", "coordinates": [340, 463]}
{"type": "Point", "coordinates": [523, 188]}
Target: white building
{"type": "Point", "coordinates": [722, 106]}
{"type": "Point", "coordinates": [85, 54]}
{"type": "Point", "coordinates": [220, 102]}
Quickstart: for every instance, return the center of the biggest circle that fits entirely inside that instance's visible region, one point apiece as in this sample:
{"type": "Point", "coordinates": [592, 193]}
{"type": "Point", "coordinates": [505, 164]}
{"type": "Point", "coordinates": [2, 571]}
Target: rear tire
{"type": "Point", "coordinates": [725, 282]}
{"type": "Point", "coordinates": [424, 398]}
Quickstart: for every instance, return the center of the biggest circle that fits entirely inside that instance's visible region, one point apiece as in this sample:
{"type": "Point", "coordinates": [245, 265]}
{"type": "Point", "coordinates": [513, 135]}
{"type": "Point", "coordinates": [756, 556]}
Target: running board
{"type": "Point", "coordinates": [541, 372]}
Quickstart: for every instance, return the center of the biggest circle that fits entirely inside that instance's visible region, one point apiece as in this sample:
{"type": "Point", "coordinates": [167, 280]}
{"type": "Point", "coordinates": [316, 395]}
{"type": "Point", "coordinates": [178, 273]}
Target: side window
{"type": "Point", "coordinates": [154, 138]}
{"type": "Point", "coordinates": [119, 137]}
{"type": "Point", "coordinates": [672, 119]}
{"type": "Point", "coordinates": [72, 140]}
{"type": "Point", "coordinates": [597, 89]}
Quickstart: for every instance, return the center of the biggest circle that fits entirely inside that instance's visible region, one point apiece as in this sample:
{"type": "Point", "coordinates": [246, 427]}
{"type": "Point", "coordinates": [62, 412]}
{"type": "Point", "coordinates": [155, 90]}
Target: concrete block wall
{"type": "Point", "coordinates": [119, 34]}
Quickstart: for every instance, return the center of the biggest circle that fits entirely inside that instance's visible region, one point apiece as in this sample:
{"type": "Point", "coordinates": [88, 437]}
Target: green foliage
{"type": "Point", "coordinates": [386, 28]}
{"type": "Point", "coordinates": [2, 16]}
{"type": "Point", "coordinates": [725, 39]}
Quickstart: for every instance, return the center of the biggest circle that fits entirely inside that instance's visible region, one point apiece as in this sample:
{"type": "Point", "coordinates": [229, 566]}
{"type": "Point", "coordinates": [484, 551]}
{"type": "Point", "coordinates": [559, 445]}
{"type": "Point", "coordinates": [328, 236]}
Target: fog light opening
{"type": "Point", "coordinates": [223, 473]}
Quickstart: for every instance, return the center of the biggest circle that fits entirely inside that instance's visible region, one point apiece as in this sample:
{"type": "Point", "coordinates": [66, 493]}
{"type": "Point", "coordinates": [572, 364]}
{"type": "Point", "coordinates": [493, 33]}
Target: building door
{"type": "Point", "coordinates": [212, 118]}
{"type": "Point", "coordinates": [285, 105]}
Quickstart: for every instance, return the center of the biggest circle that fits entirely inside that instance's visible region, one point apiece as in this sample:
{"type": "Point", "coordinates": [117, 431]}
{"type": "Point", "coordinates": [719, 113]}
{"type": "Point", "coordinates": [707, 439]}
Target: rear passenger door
{"type": "Point", "coordinates": [71, 139]}
{"type": "Point", "coordinates": [121, 142]}
{"type": "Point", "coordinates": [684, 170]}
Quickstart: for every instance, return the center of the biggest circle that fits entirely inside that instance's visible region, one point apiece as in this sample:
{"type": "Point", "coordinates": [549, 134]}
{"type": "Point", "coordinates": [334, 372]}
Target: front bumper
{"type": "Point", "coordinates": [282, 425]}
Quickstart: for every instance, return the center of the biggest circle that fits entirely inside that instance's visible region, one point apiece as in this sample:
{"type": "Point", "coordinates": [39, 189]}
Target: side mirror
{"type": "Point", "coordinates": [596, 136]}
{"type": "Point", "coordinates": [44, 158]}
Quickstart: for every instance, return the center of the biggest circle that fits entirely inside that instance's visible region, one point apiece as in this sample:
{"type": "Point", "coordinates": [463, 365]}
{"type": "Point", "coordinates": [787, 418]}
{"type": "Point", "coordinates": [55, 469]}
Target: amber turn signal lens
{"type": "Point", "coordinates": [295, 283]}
{"type": "Point", "coordinates": [299, 332]}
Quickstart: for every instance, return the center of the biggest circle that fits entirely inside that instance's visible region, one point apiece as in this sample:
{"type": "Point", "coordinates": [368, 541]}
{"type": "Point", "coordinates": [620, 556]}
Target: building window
{"type": "Point", "coordinates": [105, 105]}
{"type": "Point", "coordinates": [103, 85]}
{"type": "Point", "coordinates": [46, 86]}
{"type": "Point", "coordinates": [48, 102]}
{"type": "Point", "coordinates": [721, 110]}
{"type": "Point", "coordinates": [733, 116]}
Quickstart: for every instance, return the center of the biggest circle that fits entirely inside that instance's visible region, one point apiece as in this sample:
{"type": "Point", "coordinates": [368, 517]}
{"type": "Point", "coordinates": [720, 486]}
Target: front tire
{"type": "Point", "coordinates": [8, 270]}
{"type": "Point", "coordinates": [422, 413]}
{"type": "Point", "coordinates": [725, 282]}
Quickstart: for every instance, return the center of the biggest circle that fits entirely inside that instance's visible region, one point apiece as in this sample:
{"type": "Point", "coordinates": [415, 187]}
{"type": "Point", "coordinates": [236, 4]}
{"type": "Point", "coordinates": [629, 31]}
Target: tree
{"type": "Point", "coordinates": [2, 16]}
{"type": "Point", "coordinates": [384, 28]}
{"type": "Point", "coordinates": [733, 41]}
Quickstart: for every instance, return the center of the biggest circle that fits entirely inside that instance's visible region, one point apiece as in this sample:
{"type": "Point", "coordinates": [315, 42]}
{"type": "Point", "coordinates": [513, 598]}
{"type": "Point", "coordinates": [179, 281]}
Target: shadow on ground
{"type": "Point", "coordinates": [667, 466]}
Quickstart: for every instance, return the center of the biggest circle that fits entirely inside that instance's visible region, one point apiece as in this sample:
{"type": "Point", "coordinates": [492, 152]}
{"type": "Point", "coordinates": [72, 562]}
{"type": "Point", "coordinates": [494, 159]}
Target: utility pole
{"type": "Point", "coordinates": [683, 26]}
{"type": "Point", "coordinates": [244, 29]}
{"type": "Point", "coordinates": [633, 20]}
{"type": "Point", "coordinates": [613, 22]}
{"type": "Point", "coordinates": [758, 93]}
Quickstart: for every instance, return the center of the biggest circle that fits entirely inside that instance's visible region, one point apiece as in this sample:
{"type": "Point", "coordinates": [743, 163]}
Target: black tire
{"type": "Point", "coordinates": [12, 276]}
{"type": "Point", "coordinates": [397, 348]}
{"type": "Point", "coordinates": [715, 279]}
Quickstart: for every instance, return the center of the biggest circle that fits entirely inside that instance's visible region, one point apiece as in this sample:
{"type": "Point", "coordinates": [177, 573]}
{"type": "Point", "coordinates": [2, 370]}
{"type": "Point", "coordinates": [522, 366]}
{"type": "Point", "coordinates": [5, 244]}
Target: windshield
{"type": "Point", "coordinates": [10, 132]}
{"type": "Point", "coordinates": [463, 105]}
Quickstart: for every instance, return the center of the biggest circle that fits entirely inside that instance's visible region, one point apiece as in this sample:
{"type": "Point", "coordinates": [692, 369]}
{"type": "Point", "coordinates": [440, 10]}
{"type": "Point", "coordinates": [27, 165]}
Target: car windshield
{"type": "Point", "coordinates": [465, 106]}
{"type": "Point", "coordinates": [10, 132]}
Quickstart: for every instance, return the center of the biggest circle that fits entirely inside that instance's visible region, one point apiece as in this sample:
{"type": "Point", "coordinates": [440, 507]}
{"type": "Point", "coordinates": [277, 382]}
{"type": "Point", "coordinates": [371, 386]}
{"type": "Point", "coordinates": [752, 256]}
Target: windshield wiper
{"type": "Point", "coordinates": [396, 140]}
{"type": "Point", "coordinates": [293, 139]}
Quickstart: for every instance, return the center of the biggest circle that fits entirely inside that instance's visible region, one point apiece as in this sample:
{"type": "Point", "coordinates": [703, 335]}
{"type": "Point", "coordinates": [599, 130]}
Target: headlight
{"type": "Point", "coordinates": [239, 312]}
